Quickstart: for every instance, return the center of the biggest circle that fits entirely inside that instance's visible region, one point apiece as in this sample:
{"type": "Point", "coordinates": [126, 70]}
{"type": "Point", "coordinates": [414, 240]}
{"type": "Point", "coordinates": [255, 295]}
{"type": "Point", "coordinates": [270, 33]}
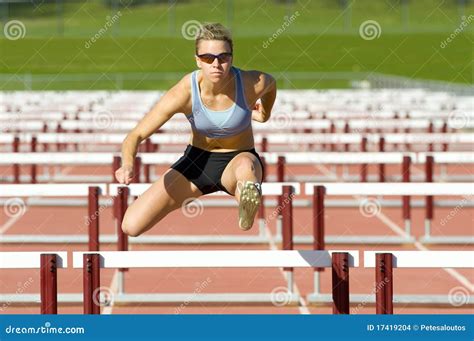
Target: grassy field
{"type": "Point", "coordinates": [323, 38]}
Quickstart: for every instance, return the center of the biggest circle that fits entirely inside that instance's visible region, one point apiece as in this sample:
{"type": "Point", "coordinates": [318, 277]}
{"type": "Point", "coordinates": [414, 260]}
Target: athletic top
{"type": "Point", "coordinates": [218, 124]}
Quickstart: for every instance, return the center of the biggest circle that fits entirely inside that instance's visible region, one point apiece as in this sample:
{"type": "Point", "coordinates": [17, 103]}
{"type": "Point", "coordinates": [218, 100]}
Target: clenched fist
{"type": "Point", "coordinates": [124, 174]}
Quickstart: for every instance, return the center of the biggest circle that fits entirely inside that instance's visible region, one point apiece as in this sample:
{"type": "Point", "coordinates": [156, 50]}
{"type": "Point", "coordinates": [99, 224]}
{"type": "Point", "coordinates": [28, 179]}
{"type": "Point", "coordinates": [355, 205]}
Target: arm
{"type": "Point", "coordinates": [265, 89]}
{"type": "Point", "coordinates": [172, 102]}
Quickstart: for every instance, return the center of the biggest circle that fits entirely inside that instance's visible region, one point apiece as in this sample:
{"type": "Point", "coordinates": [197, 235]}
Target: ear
{"type": "Point", "coordinates": [198, 62]}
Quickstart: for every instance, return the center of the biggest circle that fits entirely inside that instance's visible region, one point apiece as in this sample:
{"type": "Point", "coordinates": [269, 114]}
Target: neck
{"type": "Point", "coordinates": [221, 87]}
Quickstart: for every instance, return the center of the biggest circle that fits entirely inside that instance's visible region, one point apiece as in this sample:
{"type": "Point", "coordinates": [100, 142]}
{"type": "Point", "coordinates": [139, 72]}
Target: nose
{"type": "Point", "coordinates": [215, 62]}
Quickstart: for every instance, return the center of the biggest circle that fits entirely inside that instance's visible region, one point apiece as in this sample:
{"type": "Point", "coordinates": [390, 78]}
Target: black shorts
{"type": "Point", "coordinates": [204, 168]}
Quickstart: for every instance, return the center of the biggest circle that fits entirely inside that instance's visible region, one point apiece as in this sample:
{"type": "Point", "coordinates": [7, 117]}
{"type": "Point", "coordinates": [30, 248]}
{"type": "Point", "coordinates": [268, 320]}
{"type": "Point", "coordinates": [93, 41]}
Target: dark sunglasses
{"type": "Point", "coordinates": [209, 58]}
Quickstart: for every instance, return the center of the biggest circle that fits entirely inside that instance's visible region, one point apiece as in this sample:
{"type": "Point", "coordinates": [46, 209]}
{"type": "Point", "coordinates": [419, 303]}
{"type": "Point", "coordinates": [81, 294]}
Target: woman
{"type": "Point", "coordinates": [216, 100]}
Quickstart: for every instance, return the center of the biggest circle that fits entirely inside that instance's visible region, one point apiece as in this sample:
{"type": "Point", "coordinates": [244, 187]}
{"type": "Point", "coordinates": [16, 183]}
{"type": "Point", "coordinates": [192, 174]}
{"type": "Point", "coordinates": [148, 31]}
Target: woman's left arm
{"type": "Point", "coordinates": [265, 89]}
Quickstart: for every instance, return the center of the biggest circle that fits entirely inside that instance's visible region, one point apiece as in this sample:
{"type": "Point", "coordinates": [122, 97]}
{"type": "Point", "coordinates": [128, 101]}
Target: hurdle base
{"type": "Point", "coordinates": [410, 300]}
{"type": "Point", "coordinates": [307, 239]}
{"type": "Point", "coordinates": [290, 299]}
{"type": "Point", "coordinates": [446, 240]}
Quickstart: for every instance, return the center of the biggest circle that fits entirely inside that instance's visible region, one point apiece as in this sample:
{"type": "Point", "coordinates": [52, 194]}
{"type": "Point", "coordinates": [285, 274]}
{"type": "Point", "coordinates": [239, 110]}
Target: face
{"type": "Point", "coordinates": [217, 70]}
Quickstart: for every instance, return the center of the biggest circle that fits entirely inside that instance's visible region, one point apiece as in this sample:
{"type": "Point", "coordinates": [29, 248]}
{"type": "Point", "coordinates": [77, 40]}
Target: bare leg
{"type": "Point", "coordinates": [164, 196]}
{"type": "Point", "coordinates": [242, 177]}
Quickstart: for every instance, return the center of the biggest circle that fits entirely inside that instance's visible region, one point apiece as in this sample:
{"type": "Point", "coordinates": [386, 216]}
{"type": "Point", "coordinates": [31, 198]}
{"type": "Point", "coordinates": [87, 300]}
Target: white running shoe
{"type": "Point", "coordinates": [250, 198]}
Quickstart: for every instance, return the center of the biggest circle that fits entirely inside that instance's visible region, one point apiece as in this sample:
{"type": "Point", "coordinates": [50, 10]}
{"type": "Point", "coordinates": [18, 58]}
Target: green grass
{"type": "Point", "coordinates": [321, 39]}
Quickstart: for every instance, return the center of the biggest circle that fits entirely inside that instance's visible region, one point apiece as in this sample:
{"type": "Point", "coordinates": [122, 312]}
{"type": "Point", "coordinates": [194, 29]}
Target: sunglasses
{"type": "Point", "coordinates": [209, 58]}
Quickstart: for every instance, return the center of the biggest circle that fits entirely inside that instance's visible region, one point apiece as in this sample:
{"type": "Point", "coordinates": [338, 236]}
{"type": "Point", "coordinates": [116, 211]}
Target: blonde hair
{"type": "Point", "coordinates": [214, 31]}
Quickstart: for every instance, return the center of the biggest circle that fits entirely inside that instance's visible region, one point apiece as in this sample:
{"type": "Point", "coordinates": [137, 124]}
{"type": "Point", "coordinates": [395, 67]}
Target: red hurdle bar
{"type": "Point", "coordinates": [346, 131]}
{"type": "Point", "coordinates": [384, 283]}
{"type": "Point", "coordinates": [318, 220]}
{"type": "Point", "coordinates": [49, 284]}
{"type": "Point", "coordinates": [91, 278]}
{"type": "Point", "coordinates": [431, 130]}
{"type": "Point", "coordinates": [332, 130]}
{"type": "Point", "coordinates": [146, 168]}
{"type": "Point", "coordinates": [34, 143]}
{"type": "Point", "coordinates": [137, 164]}
{"type": "Point", "coordinates": [381, 166]}
{"type": "Point", "coordinates": [340, 283]}
{"type": "Point", "coordinates": [122, 205]}
{"type": "Point", "coordinates": [16, 167]}
{"type": "Point", "coordinates": [444, 130]}
{"type": "Point", "coordinates": [264, 145]}
{"type": "Point", "coordinates": [93, 218]}
{"type": "Point", "coordinates": [406, 198]}
{"type": "Point", "coordinates": [287, 213]}
{"type": "Point", "coordinates": [364, 166]}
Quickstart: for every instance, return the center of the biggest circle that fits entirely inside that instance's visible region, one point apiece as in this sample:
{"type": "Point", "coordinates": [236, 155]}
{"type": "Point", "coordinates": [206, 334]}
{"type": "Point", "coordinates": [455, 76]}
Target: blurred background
{"type": "Point", "coordinates": [311, 44]}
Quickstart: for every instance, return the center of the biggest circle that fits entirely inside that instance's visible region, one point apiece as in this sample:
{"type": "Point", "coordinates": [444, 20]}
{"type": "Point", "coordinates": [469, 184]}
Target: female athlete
{"type": "Point", "coordinates": [220, 101]}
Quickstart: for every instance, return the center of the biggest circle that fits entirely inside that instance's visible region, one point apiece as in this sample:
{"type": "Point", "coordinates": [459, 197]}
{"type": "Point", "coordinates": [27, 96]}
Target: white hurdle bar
{"type": "Point", "coordinates": [396, 189]}
{"type": "Point", "coordinates": [340, 261]}
{"type": "Point", "coordinates": [385, 261]}
{"type": "Point", "coordinates": [48, 263]}
{"type": "Point", "coordinates": [291, 158]}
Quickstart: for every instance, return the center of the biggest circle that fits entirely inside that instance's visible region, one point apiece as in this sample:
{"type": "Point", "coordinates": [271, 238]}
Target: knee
{"type": "Point", "coordinates": [245, 164]}
{"type": "Point", "coordinates": [129, 229]}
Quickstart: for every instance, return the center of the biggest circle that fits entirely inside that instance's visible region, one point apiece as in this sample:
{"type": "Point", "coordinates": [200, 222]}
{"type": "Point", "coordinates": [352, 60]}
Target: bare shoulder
{"type": "Point", "coordinates": [180, 94]}
{"type": "Point", "coordinates": [259, 81]}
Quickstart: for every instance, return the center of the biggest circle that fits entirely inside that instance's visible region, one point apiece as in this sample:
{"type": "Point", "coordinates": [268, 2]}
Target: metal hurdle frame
{"type": "Point", "coordinates": [48, 263]}
{"type": "Point", "coordinates": [385, 261]}
{"type": "Point", "coordinates": [91, 263]}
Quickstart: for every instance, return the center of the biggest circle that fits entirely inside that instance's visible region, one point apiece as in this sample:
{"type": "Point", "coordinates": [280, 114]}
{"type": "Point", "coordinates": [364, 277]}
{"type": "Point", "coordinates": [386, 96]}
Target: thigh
{"type": "Point", "coordinates": [229, 178]}
{"type": "Point", "coordinates": [165, 195]}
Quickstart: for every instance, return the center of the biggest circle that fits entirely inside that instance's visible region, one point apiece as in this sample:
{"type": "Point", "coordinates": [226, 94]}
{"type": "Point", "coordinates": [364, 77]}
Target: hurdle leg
{"type": "Point", "coordinates": [384, 283]}
{"type": "Point", "coordinates": [49, 284]}
{"type": "Point", "coordinates": [91, 274]}
{"type": "Point", "coordinates": [427, 228]}
{"type": "Point", "coordinates": [290, 280]}
{"type": "Point", "coordinates": [317, 283]}
{"type": "Point", "coordinates": [340, 283]}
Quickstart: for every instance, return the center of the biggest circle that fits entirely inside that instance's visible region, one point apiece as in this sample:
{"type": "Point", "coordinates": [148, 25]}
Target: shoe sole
{"type": "Point", "coordinates": [249, 202]}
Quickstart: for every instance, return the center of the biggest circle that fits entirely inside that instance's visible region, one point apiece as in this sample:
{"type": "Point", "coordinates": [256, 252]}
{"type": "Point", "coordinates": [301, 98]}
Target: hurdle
{"type": "Point", "coordinates": [91, 191]}
{"type": "Point", "coordinates": [388, 189]}
{"type": "Point", "coordinates": [48, 263]}
{"type": "Point", "coordinates": [91, 263]}
{"type": "Point", "coordinates": [385, 261]}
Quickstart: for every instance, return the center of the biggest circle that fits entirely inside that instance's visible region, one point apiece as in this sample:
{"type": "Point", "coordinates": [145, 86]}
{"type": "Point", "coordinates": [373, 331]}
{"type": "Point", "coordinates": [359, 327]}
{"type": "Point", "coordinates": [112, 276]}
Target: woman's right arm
{"type": "Point", "coordinates": [176, 100]}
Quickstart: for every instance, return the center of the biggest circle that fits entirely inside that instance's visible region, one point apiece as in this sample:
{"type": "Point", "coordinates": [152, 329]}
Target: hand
{"type": "Point", "coordinates": [258, 112]}
{"type": "Point", "coordinates": [124, 174]}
